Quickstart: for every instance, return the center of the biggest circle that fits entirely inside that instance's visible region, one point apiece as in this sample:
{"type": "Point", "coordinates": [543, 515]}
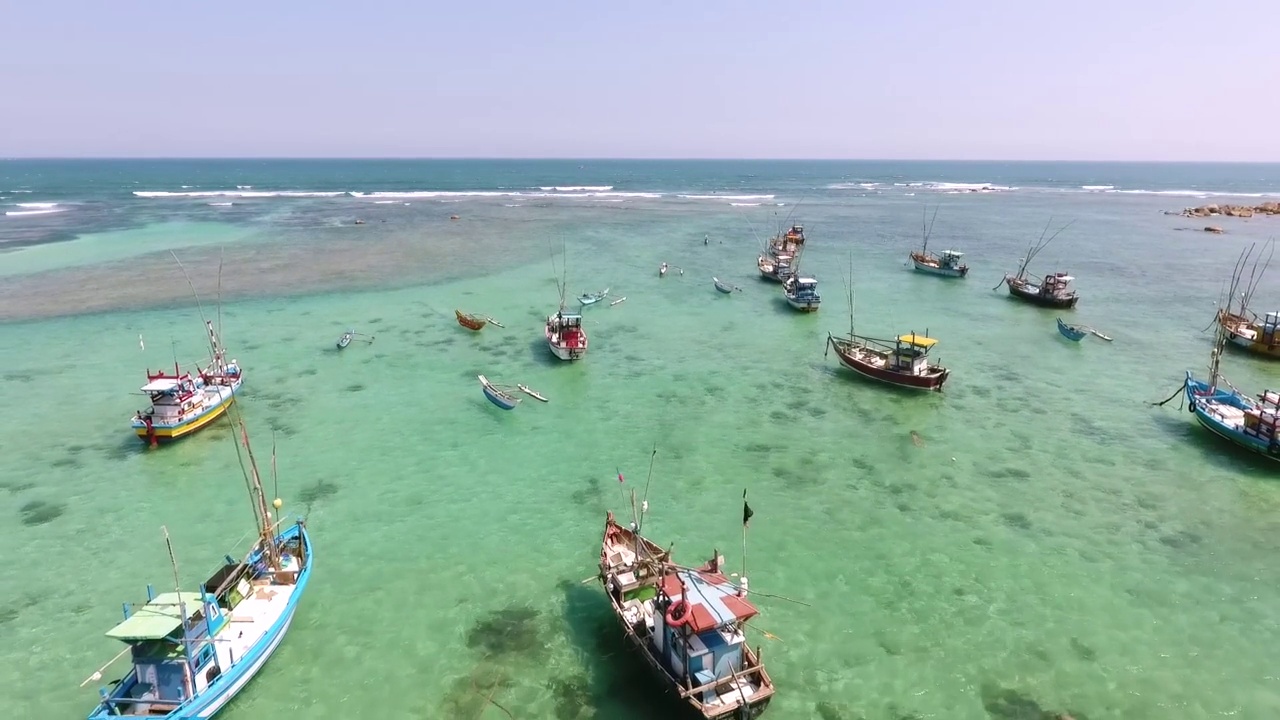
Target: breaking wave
{"type": "Point", "coordinates": [725, 197]}
{"type": "Point", "coordinates": [578, 188]}
{"type": "Point", "coordinates": [46, 211]}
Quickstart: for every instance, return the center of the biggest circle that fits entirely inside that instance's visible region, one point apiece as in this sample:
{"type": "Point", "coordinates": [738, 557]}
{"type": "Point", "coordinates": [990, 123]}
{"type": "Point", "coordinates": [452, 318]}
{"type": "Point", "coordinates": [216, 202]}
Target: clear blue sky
{"type": "Point", "coordinates": [1027, 79]}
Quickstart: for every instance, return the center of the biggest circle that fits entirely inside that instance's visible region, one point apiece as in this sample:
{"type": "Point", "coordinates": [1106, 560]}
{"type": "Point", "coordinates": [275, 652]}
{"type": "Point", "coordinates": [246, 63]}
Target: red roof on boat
{"type": "Point", "coordinates": [713, 600]}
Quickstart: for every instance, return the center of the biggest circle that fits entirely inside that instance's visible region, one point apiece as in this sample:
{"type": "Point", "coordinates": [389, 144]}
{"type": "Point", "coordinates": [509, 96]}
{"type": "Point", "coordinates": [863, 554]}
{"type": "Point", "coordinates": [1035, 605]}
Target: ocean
{"type": "Point", "coordinates": [1038, 538]}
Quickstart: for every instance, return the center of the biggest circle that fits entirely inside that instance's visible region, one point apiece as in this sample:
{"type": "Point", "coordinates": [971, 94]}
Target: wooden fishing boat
{"type": "Point", "coordinates": [688, 624]}
{"type": "Point", "coordinates": [471, 322]}
{"type": "Point", "coordinates": [802, 293]}
{"type": "Point", "coordinates": [1227, 412]}
{"type": "Point", "coordinates": [1244, 329]}
{"type": "Point", "coordinates": [902, 361]}
{"type": "Point", "coordinates": [191, 651]}
{"type": "Point", "coordinates": [1053, 291]}
{"type": "Point", "coordinates": [946, 264]}
{"type": "Point", "coordinates": [782, 254]}
{"type": "Point", "coordinates": [724, 287]}
{"type": "Point", "coordinates": [593, 298]}
{"type": "Point", "coordinates": [182, 404]}
{"type": "Point", "coordinates": [565, 336]}
{"type": "Point", "coordinates": [501, 397]}
{"type": "Point", "coordinates": [1071, 332]}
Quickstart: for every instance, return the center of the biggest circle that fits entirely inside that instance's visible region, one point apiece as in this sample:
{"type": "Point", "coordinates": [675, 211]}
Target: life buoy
{"type": "Point", "coordinates": [678, 619]}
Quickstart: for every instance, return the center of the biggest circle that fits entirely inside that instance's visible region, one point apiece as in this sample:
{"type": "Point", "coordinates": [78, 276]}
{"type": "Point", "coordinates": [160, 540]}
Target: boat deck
{"type": "Point", "coordinates": [251, 619]}
{"type": "Point", "coordinates": [1228, 414]}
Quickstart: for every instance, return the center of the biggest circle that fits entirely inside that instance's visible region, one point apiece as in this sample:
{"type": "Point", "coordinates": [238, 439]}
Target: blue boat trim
{"type": "Point", "coordinates": [1235, 417]}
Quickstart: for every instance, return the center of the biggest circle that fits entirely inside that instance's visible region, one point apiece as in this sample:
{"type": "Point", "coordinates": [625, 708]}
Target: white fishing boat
{"type": "Point", "coordinates": [192, 651]}
{"type": "Point", "coordinates": [802, 293]}
{"type": "Point", "coordinates": [566, 336]}
{"type": "Point", "coordinates": [182, 403]}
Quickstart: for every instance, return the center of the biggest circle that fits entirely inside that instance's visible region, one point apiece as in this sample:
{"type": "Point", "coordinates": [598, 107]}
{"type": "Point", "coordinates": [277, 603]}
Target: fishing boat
{"type": "Point", "coordinates": [947, 263]}
{"type": "Point", "coordinates": [902, 361]}
{"type": "Point", "coordinates": [191, 651]}
{"type": "Point", "coordinates": [689, 624]}
{"type": "Point", "coordinates": [502, 397]}
{"type": "Point", "coordinates": [662, 270]}
{"type": "Point", "coordinates": [802, 293]}
{"type": "Point", "coordinates": [471, 322]}
{"type": "Point", "coordinates": [566, 336]}
{"type": "Point", "coordinates": [782, 254]}
{"type": "Point", "coordinates": [724, 287]}
{"type": "Point", "coordinates": [1244, 329]}
{"type": "Point", "coordinates": [346, 338]}
{"type": "Point", "coordinates": [1053, 290]}
{"type": "Point", "coordinates": [593, 298]}
{"type": "Point", "coordinates": [181, 403]}
{"type": "Point", "coordinates": [1248, 422]}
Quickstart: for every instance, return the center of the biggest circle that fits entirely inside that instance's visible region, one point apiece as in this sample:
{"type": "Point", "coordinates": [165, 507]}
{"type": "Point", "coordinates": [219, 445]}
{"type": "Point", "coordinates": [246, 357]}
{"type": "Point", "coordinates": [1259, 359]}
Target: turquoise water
{"type": "Point", "coordinates": [1049, 539]}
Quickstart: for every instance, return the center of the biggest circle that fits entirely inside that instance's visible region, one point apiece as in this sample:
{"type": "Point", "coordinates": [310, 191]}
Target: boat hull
{"type": "Point", "coordinates": [1205, 402]}
{"type": "Point", "coordinates": [1250, 336]}
{"type": "Point", "coordinates": [173, 431]}
{"type": "Point", "coordinates": [1069, 332]}
{"type": "Point", "coordinates": [902, 380]}
{"type": "Point", "coordinates": [939, 270]}
{"type": "Point", "coordinates": [807, 306]}
{"type": "Point", "coordinates": [1065, 303]}
{"type": "Point", "coordinates": [470, 322]}
{"type": "Point", "coordinates": [243, 669]}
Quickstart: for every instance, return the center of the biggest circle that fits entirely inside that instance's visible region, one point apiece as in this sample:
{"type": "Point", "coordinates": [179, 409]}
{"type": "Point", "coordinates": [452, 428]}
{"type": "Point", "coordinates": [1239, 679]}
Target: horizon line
{"type": "Point", "coordinates": [623, 159]}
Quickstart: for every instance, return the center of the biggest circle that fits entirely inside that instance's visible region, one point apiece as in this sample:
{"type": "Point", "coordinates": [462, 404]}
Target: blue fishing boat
{"type": "Point", "coordinates": [191, 651]}
{"type": "Point", "coordinates": [1236, 417]}
{"type": "Point", "coordinates": [498, 396]}
{"type": "Point", "coordinates": [593, 298]}
{"type": "Point", "coordinates": [1071, 332]}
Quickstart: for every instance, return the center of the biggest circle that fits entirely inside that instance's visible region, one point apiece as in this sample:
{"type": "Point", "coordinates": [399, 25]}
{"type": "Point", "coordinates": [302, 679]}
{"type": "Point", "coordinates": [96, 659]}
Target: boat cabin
{"type": "Point", "coordinates": [910, 354]}
{"type": "Point", "coordinates": [170, 641]}
{"type": "Point", "coordinates": [173, 397]}
{"type": "Point", "coordinates": [795, 235]}
{"type": "Point", "coordinates": [698, 632]}
{"type": "Point", "coordinates": [1057, 285]}
{"type": "Point", "coordinates": [1261, 420]}
{"type": "Point", "coordinates": [802, 287]}
{"type": "Point", "coordinates": [569, 328]}
{"type": "Point", "coordinates": [950, 259]}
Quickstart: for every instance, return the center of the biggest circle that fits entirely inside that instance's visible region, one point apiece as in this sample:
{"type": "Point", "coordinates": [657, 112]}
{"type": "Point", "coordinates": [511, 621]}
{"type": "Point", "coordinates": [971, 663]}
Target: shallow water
{"type": "Point", "coordinates": [1036, 536]}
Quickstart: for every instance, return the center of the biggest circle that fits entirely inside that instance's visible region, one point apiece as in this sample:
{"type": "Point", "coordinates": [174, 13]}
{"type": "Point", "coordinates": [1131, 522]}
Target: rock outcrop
{"type": "Point", "coordinates": [1243, 211]}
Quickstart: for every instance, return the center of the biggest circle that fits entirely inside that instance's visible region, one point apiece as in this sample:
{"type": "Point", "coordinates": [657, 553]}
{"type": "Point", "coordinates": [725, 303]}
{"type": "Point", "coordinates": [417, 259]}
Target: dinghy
{"type": "Point", "coordinates": [593, 298]}
{"type": "Point", "coordinates": [724, 287]}
{"type": "Point", "coordinates": [345, 340]}
{"type": "Point", "coordinates": [1076, 332]}
{"type": "Point", "coordinates": [471, 322]}
{"type": "Point", "coordinates": [498, 396]}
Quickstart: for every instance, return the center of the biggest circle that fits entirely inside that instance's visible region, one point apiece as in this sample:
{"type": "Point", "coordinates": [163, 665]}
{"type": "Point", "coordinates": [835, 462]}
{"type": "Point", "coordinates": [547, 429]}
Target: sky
{"type": "Point", "coordinates": [997, 80]}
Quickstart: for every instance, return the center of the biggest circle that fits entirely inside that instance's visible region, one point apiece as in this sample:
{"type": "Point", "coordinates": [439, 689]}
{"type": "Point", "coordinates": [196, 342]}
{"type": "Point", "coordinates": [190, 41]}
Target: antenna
{"type": "Point", "coordinates": [221, 252]}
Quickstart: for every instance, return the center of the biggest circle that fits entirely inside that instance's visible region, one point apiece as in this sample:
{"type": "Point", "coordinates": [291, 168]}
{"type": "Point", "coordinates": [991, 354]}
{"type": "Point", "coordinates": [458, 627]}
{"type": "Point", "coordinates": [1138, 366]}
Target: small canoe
{"type": "Point", "coordinates": [345, 340]}
{"type": "Point", "coordinates": [471, 322]}
{"type": "Point", "coordinates": [723, 286]}
{"type": "Point", "coordinates": [1071, 332]}
{"type": "Point", "coordinates": [532, 393]}
{"type": "Point", "coordinates": [593, 298]}
{"type": "Point", "coordinates": [498, 396]}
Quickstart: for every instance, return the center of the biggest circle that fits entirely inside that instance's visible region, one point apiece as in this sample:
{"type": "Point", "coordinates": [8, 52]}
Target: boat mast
{"type": "Point", "coordinates": [182, 611]}
{"type": "Point", "coordinates": [262, 516]}
{"type": "Point", "coordinates": [927, 229]}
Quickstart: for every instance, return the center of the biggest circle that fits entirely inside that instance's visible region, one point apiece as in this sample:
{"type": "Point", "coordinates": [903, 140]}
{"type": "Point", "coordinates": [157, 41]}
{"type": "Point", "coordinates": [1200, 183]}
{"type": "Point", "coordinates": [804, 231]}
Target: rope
{"type": "Point", "coordinates": [1175, 394]}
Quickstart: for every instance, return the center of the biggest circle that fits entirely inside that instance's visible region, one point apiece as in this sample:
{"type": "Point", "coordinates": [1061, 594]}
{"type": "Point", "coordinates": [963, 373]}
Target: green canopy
{"type": "Point", "coordinates": [157, 619]}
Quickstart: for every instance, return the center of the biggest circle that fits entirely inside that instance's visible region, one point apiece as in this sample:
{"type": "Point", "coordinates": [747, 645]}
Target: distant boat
{"type": "Point", "coordinates": [662, 270]}
{"type": "Point", "coordinates": [593, 298]}
{"type": "Point", "coordinates": [802, 293]}
{"type": "Point", "coordinates": [1053, 290]}
{"type": "Point", "coordinates": [192, 651]}
{"type": "Point", "coordinates": [501, 397]}
{"type": "Point", "coordinates": [781, 255]}
{"type": "Point", "coordinates": [471, 322]}
{"type": "Point", "coordinates": [345, 340]}
{"type": "Point", "coordinates": [947, 263]}
{"type": "Point", "coordinates": [724, 287]}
